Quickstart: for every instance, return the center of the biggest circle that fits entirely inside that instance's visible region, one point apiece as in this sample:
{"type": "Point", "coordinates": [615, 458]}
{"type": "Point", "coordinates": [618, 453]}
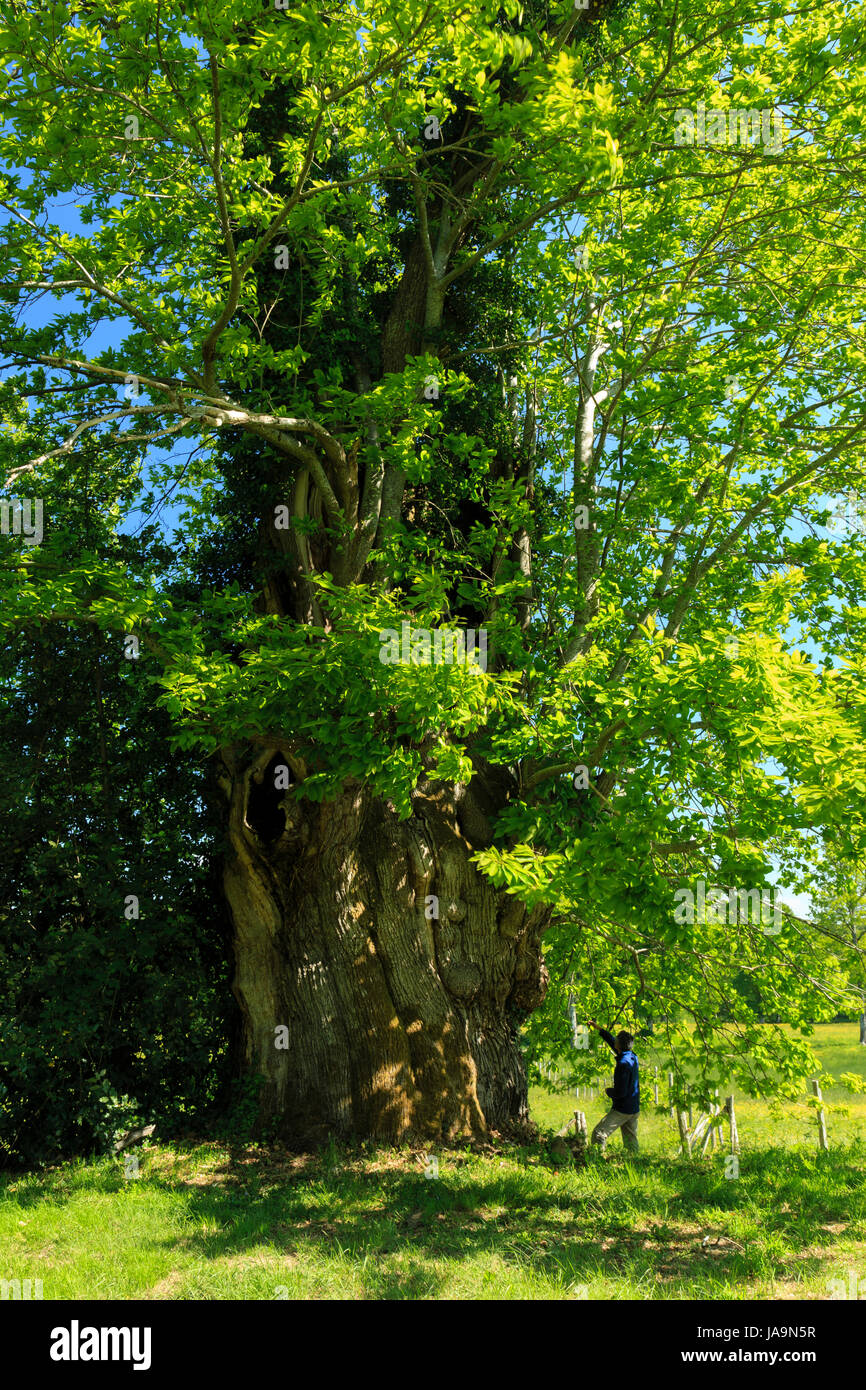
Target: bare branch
{"type": "Point", "coordinates": [67, 444]}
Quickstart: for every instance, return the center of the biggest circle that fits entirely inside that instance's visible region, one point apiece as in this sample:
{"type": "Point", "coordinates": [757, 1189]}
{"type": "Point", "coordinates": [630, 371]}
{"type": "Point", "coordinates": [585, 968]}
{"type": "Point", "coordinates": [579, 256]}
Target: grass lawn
{"type": "Point", "coordinates": [215, 1221]}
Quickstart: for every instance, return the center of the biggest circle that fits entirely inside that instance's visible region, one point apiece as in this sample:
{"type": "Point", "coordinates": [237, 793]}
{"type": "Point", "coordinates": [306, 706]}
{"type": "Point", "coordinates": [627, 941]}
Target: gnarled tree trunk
{"type": "Point", "coordinates": [380, 976]}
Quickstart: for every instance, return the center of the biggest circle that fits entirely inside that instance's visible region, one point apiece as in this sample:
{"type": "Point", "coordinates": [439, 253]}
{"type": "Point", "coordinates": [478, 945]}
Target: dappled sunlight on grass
{"type": "Point", "coordinates": [216, 1222]}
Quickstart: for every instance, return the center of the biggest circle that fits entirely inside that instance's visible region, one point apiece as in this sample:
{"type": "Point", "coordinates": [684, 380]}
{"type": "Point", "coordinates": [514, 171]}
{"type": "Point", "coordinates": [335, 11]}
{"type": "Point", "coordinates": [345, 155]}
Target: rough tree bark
{"type": "Point", "coordinates": [398, 971]}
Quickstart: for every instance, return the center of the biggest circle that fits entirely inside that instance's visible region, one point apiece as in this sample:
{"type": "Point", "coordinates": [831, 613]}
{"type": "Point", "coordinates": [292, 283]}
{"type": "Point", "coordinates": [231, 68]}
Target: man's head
{"type": "Point", "coordinates": [624, 1042]}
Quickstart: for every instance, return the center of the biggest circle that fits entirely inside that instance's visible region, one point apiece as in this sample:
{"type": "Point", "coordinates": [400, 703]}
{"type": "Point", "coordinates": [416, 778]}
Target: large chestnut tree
{"type": "Point", "coordinates": [427, 319]}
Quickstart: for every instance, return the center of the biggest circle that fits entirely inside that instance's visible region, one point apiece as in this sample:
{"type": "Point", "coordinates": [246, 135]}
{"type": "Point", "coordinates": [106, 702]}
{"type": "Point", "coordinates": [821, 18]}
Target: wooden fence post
{"type": "Point", "coordinates": [699, 1130]}
{"type": "Point", "coordinates": [708, 1137]}
{"type": "Point", "coordinates": [732, 1118]}
{"type": "Point", "coordinates": [656, 1085]}
{"type": "Point", "coordinates": [684, 1134]}
{"type": "Point", "coordinates": [822, 1118]}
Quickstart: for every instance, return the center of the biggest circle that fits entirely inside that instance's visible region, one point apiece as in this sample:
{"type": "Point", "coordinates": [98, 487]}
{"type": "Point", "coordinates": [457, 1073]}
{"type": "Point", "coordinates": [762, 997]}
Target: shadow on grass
{"type": "Point", "coordinates": [649, 1218]}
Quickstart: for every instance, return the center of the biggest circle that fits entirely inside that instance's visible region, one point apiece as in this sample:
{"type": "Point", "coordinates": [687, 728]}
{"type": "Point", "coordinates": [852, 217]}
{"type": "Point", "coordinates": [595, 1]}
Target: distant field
{"type": "Point", "coordinates": [835, 1045]}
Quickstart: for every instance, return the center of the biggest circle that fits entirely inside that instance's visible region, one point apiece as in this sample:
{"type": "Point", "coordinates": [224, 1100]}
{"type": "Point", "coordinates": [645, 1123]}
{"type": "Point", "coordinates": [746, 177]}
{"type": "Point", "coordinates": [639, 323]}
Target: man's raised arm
{"type": "Point", "coordinates": [608, 1037]}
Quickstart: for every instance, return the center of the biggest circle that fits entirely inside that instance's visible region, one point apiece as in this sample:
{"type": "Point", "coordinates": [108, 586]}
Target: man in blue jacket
{"type": "Point", "coordinates": [624, 1093]}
